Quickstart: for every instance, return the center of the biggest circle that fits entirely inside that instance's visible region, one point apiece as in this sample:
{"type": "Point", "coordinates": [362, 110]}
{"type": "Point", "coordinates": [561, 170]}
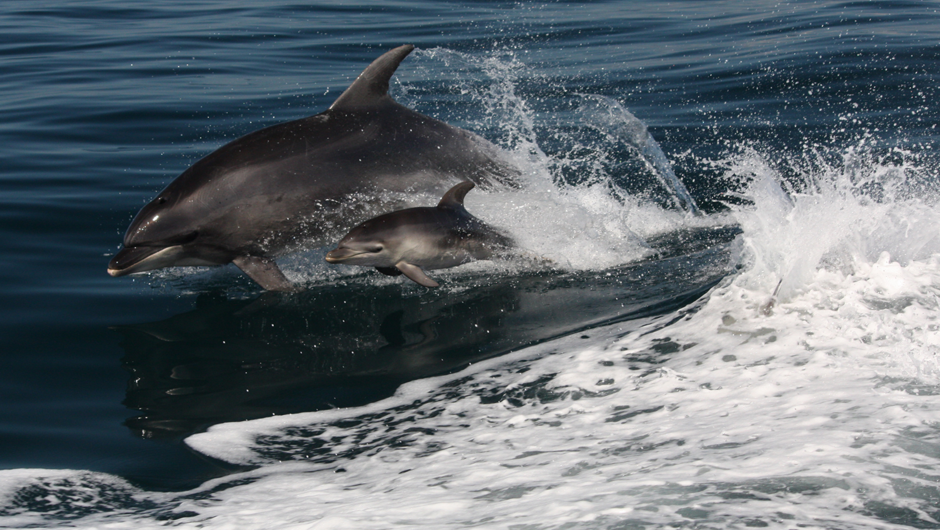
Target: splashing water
{"type": "Point", "coordinates": [619, 125]}
{"type": "Point", "coordinates": [837, 216]}
{"type": "Point", "coordinates": [570, 212]}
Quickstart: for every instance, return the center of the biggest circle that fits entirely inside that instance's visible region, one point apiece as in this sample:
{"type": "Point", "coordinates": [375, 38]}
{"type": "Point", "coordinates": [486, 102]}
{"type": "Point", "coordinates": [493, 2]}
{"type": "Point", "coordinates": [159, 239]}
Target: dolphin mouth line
{"type": "Point", "coordinates": [142, 258]}
{"type": "Point", "coordinates": [339, 256]}
{"type": "Point", "coordinates": [135, 259]}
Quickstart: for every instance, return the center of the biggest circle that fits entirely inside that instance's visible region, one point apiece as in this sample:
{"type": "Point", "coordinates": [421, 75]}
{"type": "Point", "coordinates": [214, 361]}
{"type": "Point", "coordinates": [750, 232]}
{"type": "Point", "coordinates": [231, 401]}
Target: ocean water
{"type": "Point", "coordinates": [732, 320]}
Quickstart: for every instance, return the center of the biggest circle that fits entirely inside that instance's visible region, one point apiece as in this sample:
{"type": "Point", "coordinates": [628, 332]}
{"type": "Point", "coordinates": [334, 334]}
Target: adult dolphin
{"type": "Point", "coordinates": [304, 183]}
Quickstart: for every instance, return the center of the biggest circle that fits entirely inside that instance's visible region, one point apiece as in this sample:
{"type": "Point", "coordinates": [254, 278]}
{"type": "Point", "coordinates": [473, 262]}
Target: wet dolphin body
{"type": "Point", "coordinates": [303, 183]}
{"type": "Point", "coordinates": [407, 241]}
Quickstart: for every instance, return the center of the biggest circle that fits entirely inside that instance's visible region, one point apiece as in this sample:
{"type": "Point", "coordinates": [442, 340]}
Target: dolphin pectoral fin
{"type": "Point", "coordinates": [389, 271]}
{"type": "Point", "coordinates": [265, 272]}
{"type": "Point", "coordinates": [415, 274]}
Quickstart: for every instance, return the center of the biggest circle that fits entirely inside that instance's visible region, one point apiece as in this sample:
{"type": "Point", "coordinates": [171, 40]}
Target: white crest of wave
{"type": "Point", "coordinates": [837, 215]}
{"type": "Point", "coordinates": [852, 247]}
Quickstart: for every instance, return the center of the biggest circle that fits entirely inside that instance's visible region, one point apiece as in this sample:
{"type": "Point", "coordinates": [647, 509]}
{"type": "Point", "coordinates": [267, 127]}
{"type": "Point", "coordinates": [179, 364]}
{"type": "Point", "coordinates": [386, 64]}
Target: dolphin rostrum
{"type": "Point", "coordinates": [303, 183]}
{"type": "Point", "coordinates": [407, 241]}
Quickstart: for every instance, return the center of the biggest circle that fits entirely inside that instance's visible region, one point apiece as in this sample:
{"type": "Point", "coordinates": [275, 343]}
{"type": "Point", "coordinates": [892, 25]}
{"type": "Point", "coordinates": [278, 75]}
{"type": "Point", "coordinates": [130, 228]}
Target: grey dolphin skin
{"type": "Point", "coordinates": [407, 241]}
{"type": "Point", "coordinates": [304, 183]}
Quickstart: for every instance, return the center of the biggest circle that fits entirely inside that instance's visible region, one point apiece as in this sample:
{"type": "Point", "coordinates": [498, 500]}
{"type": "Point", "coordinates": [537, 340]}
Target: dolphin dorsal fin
{"type": "Point", "coordinates": [371, 87]}
{"type": "Point", "coordinates": [453, 199]}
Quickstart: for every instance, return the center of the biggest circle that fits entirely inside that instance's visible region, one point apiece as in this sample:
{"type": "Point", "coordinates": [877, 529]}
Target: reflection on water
{"type": "Point", "coordinates": [348, 345]}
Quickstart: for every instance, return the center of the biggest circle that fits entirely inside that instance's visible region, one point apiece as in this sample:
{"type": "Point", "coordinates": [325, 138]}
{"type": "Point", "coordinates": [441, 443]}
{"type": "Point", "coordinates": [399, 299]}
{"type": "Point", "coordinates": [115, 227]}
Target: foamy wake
{"type": "Point", "coordinates": [818, 410]}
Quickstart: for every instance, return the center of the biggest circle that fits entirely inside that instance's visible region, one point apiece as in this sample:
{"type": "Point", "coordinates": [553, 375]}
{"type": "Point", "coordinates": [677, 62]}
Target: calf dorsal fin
{"type": "Point", "coordinates": [453, 199]}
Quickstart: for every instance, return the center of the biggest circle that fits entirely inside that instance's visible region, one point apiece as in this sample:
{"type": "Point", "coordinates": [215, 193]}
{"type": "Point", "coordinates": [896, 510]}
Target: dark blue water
{"type": "Point", "coordinates": [103, 103]}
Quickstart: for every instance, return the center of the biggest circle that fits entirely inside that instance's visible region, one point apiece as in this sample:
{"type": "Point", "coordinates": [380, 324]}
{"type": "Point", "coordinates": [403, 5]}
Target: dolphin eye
{"type": "Point", "coordinates": [161, 200]}
{"type": "Point", "coordinates": [375, 249]}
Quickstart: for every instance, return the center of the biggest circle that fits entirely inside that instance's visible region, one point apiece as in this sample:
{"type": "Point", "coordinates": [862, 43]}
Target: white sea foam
{"type": "Point", "coordinates": [819, 410]}
{"type": "Point", "coordinates": [818, 407]}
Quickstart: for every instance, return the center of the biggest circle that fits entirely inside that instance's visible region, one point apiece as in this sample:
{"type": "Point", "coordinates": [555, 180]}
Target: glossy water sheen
{"type": "Point", "coordinates": [806, 132]}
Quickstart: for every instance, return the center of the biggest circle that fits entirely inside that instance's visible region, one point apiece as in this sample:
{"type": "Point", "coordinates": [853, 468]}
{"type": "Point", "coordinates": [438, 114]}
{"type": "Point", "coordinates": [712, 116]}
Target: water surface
{"type": "Point", "coordinates": [649, 378]}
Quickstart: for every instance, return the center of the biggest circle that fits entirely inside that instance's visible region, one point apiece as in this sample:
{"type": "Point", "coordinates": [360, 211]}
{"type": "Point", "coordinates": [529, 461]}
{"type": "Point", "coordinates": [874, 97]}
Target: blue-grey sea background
{"type": "Point", "coordinates": [103, 103]}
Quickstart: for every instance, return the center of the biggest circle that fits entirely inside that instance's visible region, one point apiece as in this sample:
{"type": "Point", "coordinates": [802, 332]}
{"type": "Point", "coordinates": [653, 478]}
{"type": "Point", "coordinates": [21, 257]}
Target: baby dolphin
{"type": "Point", "coordinates": [407, 241]}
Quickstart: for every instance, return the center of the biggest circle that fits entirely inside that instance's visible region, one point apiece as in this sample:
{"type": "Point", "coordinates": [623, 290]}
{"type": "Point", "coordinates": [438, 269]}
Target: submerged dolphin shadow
{"type": "Point", "coordinates": [348, 345]}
